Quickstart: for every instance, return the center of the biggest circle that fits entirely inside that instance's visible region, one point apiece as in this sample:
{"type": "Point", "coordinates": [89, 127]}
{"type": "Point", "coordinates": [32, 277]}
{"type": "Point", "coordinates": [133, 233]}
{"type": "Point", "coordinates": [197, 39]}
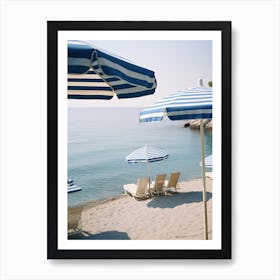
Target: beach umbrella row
{"type": "Point", "coordinates": [95, 74]}
{"type": "Point", "coordinates": [194, 103]}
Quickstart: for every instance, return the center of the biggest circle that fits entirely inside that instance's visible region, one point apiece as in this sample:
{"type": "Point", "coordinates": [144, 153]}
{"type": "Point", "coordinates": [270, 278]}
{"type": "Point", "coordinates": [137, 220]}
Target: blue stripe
{"type": "Point", "coordinates": [89, 88]}
{"type": "Point", "coordinates": [115, 72]}
{"type": "Point", "coordinates": [76, 96]}
{"type": "Point", "coordinates": [174, 109]}
{"type": "Point", "coordinates": [136, 94]}
{"type": "Point", "coordinates": [111, 79]}
{"type": "Point", "coordinates": [146, 160]}
{"type": "Point", "coordinates": [120, 96]}
{"type": "Point", "coordinates": [95, 67]}
{"type": "Point", "coordinates": [123, 86]}
{"type": "Point", "coordinates": [158, 159]}
{"type": "Point", "coordinates": [77, 69]}
{"type": "Point", "coordinates": [126, 64]}
{"type": "Point", "coordinates": [190, 102]}
{"type": "Point", "coordinates": [190, 117]}
{"type": "Point", "coordinates": [189, 108]}
{"type": "Point", "coordinates": [79, 51]}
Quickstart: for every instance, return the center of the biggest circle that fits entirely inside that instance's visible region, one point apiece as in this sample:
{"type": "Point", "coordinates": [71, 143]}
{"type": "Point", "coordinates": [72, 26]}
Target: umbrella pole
{"type": "Point", "coordinates": [203, 179]}
{"type": "Point", "coordinates": [148, 172]}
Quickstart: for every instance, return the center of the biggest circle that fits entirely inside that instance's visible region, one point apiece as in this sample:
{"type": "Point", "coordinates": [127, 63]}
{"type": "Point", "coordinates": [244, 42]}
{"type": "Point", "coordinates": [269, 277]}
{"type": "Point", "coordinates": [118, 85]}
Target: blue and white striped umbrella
{"type": "Point", "coordinates": [188, 104]}
{"type": "Point", "coordinates": [146, 154]}
{"type": "Point", "coordinates": [194, 103]}
{"type": "Point", "coordinates": [96, 74]}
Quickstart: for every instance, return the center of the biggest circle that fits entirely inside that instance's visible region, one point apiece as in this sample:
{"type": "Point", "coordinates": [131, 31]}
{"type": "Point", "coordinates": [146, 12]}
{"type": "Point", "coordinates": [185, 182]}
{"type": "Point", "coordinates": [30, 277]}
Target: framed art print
{"type": "Point", "coordinates": [139, 124]}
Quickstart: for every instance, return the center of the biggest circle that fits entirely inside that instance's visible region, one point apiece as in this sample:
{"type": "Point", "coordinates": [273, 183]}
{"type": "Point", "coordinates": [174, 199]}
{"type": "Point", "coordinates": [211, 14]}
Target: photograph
{"type": "Point", "coordinates": [157, 117]}
{"type": "Point", "coordinates": [139, 118]}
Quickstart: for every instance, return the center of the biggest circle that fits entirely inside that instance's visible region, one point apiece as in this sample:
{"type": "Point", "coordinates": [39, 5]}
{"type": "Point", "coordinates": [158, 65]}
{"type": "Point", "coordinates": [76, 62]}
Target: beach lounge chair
{"type": "Point", "coordinates": [139, 191]}
{"type": "Point", "coordinates": [158, 184]}
{"type": "Point", "coordinates": [172, 183]}
{"type": "Point", "coordinates": [74, 220]}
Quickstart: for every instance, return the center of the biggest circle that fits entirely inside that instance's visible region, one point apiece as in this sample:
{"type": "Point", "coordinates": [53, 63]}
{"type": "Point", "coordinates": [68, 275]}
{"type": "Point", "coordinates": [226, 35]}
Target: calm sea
{"type": "Point", "coordinates": [99, 139]}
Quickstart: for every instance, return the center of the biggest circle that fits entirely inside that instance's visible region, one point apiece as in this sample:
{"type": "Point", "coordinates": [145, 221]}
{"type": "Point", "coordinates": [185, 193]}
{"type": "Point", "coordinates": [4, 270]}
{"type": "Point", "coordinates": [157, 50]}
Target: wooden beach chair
{"type": "Point", "coordinates": [139, 191]}
{"type": "Point", "coordinates": [172, 184]}
{"type": "Point", "coordinates": [74, 219]}
{"type": "Point", "coordinates": [158, 184]}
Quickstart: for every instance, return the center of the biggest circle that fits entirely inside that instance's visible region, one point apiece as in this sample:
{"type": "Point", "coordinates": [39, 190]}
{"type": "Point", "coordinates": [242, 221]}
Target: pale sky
{"type": "Point", "coordinates": [177, 65]}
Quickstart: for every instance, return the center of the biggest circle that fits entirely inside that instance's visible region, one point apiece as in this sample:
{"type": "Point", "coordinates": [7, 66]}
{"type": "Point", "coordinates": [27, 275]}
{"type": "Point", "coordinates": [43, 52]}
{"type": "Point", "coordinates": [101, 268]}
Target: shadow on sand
{"type": "Point", "coordinates": [177, 199]}
{"type": "Point", "coordinates": [106, 235]}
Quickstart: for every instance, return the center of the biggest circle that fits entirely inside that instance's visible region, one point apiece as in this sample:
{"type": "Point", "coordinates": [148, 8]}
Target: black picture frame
{"type": "Point", "coordinates": [53, 27]}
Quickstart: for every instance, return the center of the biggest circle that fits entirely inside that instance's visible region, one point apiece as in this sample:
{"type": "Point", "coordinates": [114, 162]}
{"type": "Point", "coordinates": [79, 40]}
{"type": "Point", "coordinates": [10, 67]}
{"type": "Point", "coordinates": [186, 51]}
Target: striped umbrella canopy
{"type": "Point", "coordinates": [194, 103]}
{"type": "Point", "coordinates": [95, 74]}
{"type": "Point", "coordinates": [208, 162]}
{"type": "Point", "coordinates": [146, 154]}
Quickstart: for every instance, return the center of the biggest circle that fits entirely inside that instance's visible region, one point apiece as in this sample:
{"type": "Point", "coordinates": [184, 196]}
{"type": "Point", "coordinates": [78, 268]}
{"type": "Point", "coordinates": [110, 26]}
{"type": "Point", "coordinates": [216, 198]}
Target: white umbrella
{"type": "Point", "coordinates": [146, 154]}
{"type": "Point", "coordinates": [95, 74]}
{"type": "Point", "coordinates": [194, 103]}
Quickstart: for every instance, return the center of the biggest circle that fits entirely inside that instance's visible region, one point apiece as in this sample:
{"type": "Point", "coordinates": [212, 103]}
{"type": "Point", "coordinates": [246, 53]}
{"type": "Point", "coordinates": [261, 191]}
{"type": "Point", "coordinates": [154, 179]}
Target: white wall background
{"type": "Point", "coordinates": [255, 151]}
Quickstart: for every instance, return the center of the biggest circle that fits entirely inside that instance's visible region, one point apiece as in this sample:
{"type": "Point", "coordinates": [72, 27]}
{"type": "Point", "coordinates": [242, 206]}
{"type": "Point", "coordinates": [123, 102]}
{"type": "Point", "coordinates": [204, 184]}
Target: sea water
{"type": "Point", "coordinates": [99, 139]}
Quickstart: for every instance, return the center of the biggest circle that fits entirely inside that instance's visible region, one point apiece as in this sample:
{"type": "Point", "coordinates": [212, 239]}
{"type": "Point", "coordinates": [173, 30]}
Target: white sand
{"type": "Point", "coordinates": [174, 216]}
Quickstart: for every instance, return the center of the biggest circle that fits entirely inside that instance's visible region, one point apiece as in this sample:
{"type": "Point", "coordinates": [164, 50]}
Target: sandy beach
{"type": "Point", "coordinates": [169, 217]}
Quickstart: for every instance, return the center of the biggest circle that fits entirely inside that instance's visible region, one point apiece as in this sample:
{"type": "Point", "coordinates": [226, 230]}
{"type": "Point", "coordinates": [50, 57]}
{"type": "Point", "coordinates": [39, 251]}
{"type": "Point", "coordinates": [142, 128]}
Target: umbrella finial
{"type": "Point", "coordinates": [200, 82]}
